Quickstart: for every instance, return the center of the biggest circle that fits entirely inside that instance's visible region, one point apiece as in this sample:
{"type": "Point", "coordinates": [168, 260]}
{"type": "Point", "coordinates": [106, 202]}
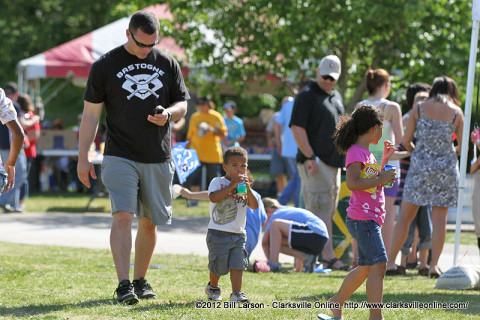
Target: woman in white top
{"type": "Point", "coordinates": [378, 87]}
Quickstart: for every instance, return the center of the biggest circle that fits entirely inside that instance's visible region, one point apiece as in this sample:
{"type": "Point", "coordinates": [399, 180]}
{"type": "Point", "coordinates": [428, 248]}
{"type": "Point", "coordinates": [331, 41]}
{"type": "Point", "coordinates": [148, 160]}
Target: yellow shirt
{"type": "Point", "coordinates": [207, 144]}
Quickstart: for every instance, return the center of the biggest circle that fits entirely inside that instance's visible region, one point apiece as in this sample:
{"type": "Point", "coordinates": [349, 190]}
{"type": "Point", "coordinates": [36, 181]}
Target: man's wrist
{"type": "Point", "coordinates": [169, 115]}
{"type": "Point", "coordinates": [312, 157]}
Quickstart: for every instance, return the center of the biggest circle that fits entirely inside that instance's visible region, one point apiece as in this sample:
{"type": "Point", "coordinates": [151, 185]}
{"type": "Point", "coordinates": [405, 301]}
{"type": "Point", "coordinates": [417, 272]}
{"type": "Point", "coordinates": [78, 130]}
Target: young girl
{"type": "Point", "coordinates": [366, 213]}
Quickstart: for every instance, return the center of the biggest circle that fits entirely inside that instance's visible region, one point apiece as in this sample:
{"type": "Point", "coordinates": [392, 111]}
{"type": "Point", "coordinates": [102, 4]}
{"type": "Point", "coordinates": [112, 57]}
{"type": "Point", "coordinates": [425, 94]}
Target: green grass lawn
{"type": "Point", "coordinates": [468, 238]}
{"type": "Point", "coordinates": [46, 282]}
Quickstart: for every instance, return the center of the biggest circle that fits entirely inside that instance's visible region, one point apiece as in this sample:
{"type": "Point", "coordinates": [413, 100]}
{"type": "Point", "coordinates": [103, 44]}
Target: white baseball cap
{"type": "Point", "coordinates": [330, 66]}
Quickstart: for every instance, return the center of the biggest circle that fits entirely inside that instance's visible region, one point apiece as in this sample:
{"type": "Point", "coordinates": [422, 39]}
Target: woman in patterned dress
{"type": "Point", "coordinates": [433, 174]}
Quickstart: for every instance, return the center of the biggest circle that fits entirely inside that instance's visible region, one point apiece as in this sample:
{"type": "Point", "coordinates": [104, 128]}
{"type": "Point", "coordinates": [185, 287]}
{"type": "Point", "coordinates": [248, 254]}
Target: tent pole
{"type": "Point", "coordinates": [56, 91]}
{"type": "Point", "coordinates": [46, 86]}
{"type": "Point", "coordinates": [21, 84]}
{"type": "Point", "coordinates": [466, 133]}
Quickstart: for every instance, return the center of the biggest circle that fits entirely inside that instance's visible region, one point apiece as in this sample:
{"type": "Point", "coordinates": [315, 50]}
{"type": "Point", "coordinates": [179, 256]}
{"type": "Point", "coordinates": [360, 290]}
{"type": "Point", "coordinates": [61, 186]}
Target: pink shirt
{"type": "Point", "coordinates": [366, 204]}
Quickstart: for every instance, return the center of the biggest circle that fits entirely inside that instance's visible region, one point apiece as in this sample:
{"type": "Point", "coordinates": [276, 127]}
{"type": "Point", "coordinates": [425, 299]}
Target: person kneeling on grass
{"type": "Point", "coordinates": [295, 232]}
{"type": "Point", "coordinates": [226, 230]}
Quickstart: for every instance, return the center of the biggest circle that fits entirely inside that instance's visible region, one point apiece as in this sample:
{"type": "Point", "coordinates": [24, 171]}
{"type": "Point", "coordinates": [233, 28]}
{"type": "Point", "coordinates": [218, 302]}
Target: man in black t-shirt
{"type": "Point", "coordinates": [131, 81]}
{"type": "Point", "coordinates": [316, 112]}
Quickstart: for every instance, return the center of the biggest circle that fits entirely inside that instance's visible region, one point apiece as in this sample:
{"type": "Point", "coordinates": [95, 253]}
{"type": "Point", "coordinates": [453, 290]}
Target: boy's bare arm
{"type": "Point", "coordinates": [219, 195]}
{"type": "Point", "coordinates": [198, 195]}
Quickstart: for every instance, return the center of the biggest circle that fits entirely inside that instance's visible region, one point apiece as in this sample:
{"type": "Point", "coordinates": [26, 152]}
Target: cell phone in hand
{"type": "Point", "coordinates": [157, 110]}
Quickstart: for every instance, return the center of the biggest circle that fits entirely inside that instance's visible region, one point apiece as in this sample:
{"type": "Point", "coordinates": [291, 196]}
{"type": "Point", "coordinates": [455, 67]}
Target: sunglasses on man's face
{"type": "Point", "coordinates": [328, 78]}
{"type": "Point", "coordinates": [142, 45]}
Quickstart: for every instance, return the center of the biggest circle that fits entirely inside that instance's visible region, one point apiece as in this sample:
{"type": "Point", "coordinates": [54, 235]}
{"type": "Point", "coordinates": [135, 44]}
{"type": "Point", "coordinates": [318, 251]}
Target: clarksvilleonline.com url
{"type": "Point", "coordinates": [405, 305]}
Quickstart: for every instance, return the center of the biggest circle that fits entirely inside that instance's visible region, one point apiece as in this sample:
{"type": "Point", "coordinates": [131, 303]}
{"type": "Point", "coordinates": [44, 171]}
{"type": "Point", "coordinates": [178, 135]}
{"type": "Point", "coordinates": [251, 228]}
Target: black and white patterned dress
{"type": "Point", "coordinates": [433, 174]}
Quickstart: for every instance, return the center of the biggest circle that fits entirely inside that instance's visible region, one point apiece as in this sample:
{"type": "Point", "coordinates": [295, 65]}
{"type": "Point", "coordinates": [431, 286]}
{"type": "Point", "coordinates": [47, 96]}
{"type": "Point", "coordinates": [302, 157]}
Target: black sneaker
{"type": "Point", "coordinates": [143, 289]}
{"type": "Point", "coordinates": [125, 293]}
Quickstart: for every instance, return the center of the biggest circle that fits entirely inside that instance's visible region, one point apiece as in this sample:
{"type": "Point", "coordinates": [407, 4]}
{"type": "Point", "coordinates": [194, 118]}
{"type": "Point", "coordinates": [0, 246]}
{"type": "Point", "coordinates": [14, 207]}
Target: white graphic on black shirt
{"type": "Point", "coordinates": [142, 85]}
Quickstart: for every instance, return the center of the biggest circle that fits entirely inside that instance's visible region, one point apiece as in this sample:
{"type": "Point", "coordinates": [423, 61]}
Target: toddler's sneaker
{"type": "Point", "coordinates": [239, 296]}
{"type": "Point", "coordinates": [125, 293]}
{"type": "Point", "coordinates": [143, 289]}
{"type": "Point", "coordinates": [274, 267]}
{"type": "Point", "coordinates": [213, 293]}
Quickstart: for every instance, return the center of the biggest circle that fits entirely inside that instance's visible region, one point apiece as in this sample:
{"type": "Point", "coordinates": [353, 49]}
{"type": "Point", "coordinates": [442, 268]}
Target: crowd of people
{"type": "Point", "coordinates": [312, 139]}
{"type": "Point", "coordinates": [322, 132]}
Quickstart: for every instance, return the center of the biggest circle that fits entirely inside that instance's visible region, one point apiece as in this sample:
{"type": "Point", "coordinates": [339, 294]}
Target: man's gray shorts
{"type": "Point", "coordinates": [226, 250]}
{"type": "Point", "coordinates": [144, 189]}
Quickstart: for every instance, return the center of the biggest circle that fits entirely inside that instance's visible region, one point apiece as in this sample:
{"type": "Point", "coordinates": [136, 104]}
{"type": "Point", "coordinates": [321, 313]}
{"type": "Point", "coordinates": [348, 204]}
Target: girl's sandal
{"type": "Point", "coordinates": [423, 272]}
{"type": "Point", "coordinates": [330, 265]}
{"type": "Point", "coordinates": [400, 271]}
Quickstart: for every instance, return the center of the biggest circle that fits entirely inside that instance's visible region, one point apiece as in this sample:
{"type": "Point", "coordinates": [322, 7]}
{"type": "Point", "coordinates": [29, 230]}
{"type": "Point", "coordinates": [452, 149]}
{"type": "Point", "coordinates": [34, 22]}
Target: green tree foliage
{"type": "Point", "coordinates": [415, 40]}
{"type": "Point", "coordinates": [29, 27]}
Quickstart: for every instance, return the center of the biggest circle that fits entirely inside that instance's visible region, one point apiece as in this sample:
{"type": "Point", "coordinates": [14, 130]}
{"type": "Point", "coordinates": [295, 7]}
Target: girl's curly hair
{"type": "Point", "coordinates": [352, 126]}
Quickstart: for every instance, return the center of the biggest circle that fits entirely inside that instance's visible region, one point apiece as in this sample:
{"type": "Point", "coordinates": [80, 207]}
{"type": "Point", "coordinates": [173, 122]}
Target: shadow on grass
{"type": "Point", "coordinates": [435, 296]}
{"type": "Point", "coordinates": [31, 310]}
{"type": "Point", "coordinates": [190, 224]}
{"type": "Point", "coordinates": [289, 269]}
{"type": "Point", "coordinates": [166, 306]}
{"type": "Point", "coordinates": [75, 209]}
{"type": "Point", "coordinates": [35, 310]}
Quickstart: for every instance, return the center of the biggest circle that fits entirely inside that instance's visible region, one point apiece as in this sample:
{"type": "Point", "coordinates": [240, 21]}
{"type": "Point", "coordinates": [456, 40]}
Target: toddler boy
{"type": "Point", "coordinates": [226, 235]}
